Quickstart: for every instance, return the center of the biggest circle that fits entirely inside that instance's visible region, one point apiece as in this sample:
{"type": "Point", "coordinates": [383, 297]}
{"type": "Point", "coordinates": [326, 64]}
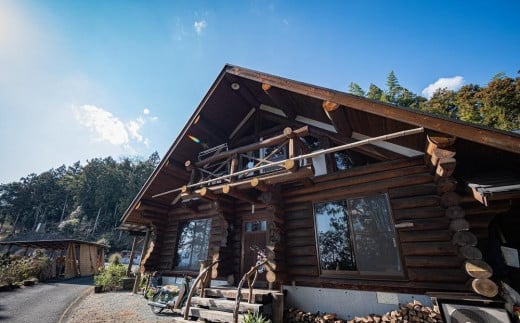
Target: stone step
{"type": "Point", "coordinates": [227, 305]}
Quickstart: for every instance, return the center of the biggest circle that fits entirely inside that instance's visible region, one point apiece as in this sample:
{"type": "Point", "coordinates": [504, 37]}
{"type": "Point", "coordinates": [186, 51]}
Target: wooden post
{"type": "Point", "coordinates": [132, 253]}
{"type": "Point", "coordinates": [141, 269]}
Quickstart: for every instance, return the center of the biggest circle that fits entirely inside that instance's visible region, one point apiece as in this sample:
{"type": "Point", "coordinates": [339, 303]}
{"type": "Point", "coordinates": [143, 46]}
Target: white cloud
{"type": "Point", "coordinates": [450, 83]}
{"type": "Point", "coordinates": [104, 125]}
{"type": "Point", "coordinates": [199, 26]}
{"type": "Point", "coordinates": [133, 127]}
{"type": "Point", "coordinates": [146, 111]}
{"type": "Point", "coordinates": [109, 128]}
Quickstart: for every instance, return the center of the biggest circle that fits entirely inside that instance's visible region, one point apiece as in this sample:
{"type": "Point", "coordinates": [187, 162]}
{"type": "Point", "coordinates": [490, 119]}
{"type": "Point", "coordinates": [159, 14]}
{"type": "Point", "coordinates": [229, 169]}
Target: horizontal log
{"type": "Point", "coordinates": [429, 249]}
{"type": "Point", "coordinates": [419, 213]}
{"type": "Point", "coordinates": [303, 271]}
{"type": "Point", "coordinates": [434, 224]}
{"type": "Point", "coordinates": [297, 233]}
{"type": "Point", "coordinates": [299, 215]}
{"type": "Point", "coordinates": [484, 287]}
{"type": "Point", "coordinates": [446, 184]}
{"type": "Point", "coordinates": [437, 275]}
{"type": "Point", "coordinates": [477, 268]}
{"type": "Point", "coordinates": [413, 190]}
{"type": "Point", "coordinates": [303, 261]}
{"type": "Point", "coordinates": [415, 202]}
{"type": "Point", "coordinates": [459, 225]}
{"type": "Point", "coordinates": [445, 167]}
{"type": "Point", "coordinates": [361, 189]}
{"type": "Point", "coordinates": [450, 199]}
{"type": "Point", "coordinates": [360, 179]}
{"type": "Point", "coordinates": [464, 238]}
{"type": "Point", "coordinates": [302, 241]}
{"type": "Point", "coordinates": [425, 236]}
{"type": "Point", "coordinates": [433, 261]}
{"type": "Point", "coordinates": [303, 131]}
{"type": "Point", "coordinates": [455, 212]}
{"type": "Point", "coordinates": [470, 252]}
{"type": "Point", "coordinates": [439, 153]}
{"type": "Point", "coordinates": [300, 224]}
{"type": "Point", "coordinates": [439, 140]}
{"type": "Point", "coordinates": [480, 221]}
{"type": "Point", "coordinates": [301, 251]}
{"type": "Point", "coordinates": [370, 169]}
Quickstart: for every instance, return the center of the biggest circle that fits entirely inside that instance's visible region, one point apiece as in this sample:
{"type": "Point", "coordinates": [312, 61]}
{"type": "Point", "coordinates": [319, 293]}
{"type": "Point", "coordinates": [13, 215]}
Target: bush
{"type": "Point", "coordinates": [255, 318]}
{"type": "Point", "coordinates": [112, 276]}
{"type": "Point", "coordinates": [14, 269]}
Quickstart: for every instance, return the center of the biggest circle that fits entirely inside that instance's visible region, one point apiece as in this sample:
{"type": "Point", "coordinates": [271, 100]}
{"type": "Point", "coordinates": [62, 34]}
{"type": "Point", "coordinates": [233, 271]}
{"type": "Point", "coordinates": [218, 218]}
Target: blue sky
{"type": "Point", "coordinates": [86, 79]}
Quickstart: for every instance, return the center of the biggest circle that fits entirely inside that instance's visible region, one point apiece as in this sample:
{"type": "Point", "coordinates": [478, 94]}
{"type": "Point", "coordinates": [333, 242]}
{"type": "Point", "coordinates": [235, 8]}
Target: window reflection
{"type": "Point", "coordinates": [357, 234]}
{"type": "Point", "coordinates": [193, 243]}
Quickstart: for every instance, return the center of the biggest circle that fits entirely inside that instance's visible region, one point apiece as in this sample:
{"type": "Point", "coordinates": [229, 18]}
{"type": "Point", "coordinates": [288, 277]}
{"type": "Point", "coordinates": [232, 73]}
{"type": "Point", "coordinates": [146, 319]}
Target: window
{"type": "Point", "coordinates": [357, 236]}
{"type": "Point", "coordinates": [193, 243]}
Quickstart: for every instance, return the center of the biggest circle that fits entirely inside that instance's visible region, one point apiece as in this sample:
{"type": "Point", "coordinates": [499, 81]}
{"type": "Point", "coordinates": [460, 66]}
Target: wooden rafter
{"type": "Point", "coordinates": [338, 118]}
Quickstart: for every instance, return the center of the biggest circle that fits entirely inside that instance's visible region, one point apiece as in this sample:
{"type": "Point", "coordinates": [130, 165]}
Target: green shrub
{"type": "Point", "coordinates": [255, 317]}
{"type": "Point", "coordinates": [111, 278]}
{"type": "Point", "coordinates": [15, 269]}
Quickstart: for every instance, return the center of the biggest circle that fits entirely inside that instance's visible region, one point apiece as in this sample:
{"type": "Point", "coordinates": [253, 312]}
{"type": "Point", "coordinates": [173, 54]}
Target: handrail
{"type": "Point", "coordinates": [194, 287]}
{"type": "Point", "coordinates": [246, 276]}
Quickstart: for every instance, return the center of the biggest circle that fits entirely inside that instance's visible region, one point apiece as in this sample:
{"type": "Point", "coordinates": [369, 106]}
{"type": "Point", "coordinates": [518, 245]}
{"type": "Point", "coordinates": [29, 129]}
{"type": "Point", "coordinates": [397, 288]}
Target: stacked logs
{"type": "Point", "coordinates": [440, 159]}
{"type": "Point", "coordinates": [412, 312]}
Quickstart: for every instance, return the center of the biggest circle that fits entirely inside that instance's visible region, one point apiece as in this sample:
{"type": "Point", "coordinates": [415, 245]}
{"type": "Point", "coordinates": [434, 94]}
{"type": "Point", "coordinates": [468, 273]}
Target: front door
{"type": "Point", "coordinates": [254, 241]}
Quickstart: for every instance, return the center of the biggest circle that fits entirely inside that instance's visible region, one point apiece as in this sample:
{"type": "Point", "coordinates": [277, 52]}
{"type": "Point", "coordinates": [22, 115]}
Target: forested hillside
{"type": "Point", "coordinates": [80, 201]}
{"type": "Point", "coordinates": [495, 105]}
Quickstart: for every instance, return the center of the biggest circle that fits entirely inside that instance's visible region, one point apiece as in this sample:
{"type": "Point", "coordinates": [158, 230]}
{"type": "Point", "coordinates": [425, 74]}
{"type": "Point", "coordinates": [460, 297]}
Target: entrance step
{"type": "Point", "coordinates": [213, 315]}
{"type": "Point", "coordinates": [260, 296]}
{"type": "Point", "coordinates": [227, 305]}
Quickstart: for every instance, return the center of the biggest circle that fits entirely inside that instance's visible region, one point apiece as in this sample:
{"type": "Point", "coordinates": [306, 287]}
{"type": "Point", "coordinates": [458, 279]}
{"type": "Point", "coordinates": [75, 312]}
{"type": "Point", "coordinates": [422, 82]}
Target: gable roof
{"type": "Point", "coordinates": [226, 113]}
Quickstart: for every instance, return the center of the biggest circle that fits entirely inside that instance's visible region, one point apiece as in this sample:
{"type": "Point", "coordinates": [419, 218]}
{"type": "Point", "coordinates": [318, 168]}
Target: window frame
{"type": "Point", "coordinates": [361, 274]}
{"type": "Point", "coordinates": [177, 256]}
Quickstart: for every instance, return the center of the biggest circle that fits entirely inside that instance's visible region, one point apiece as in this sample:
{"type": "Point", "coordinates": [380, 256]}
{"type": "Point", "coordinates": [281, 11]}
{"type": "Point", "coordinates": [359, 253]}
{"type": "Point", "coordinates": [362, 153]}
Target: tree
{"type": "Point", "coordinates": [467, 100]}
{"type": "Point", "coordinates": [393, 88]}
{"type": "Point", "coordinates": [355, 89]}
{"type": "Point", "coordinates": [442, 102]}
{"type": "Point", "coordinates": [374, 92]}
{"type": "Point", "coordinates": [501, 103]}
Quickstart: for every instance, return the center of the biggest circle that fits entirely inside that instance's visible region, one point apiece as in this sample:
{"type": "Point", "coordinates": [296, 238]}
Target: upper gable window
{"type": "Point", "coordinates": [356, 236]}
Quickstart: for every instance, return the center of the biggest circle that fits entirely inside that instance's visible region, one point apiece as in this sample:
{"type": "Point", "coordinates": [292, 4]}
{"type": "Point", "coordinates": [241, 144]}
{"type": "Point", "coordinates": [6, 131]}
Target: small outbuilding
{"type": "Point", "coordinates": [70, 257]}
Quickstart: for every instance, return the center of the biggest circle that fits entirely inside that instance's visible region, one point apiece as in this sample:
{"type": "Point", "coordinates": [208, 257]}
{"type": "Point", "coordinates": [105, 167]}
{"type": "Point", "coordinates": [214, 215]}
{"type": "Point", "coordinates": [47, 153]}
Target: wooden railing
{"type": "Point", "coordinates": [247, 276]}
{"type": "Point", "coordinates": [202, 276]}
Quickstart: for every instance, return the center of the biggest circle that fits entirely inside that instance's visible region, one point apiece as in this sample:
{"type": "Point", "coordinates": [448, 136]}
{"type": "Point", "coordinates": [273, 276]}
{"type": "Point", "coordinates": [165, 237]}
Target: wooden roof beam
{"type": "Point", "coordinates": [240, 195]}
{"type": "Point", "coordinates": [338, 117]}
{"type": "Point", "coordinates": [207, 194]}
{"type": "Point", "coordinates": [491, 137]}
{"type": "Point", "coordinates": [272, 93]}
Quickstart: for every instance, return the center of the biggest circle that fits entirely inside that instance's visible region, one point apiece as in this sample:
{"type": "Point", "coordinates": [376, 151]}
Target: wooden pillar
{"type": "Point", "coordinates": [141, 265]}
{"type": "Point", "coordinates": [132, 254]}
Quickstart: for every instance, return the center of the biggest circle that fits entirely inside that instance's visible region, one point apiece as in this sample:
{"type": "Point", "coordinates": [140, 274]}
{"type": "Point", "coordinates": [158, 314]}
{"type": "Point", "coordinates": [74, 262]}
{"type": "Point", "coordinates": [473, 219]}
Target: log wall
{"type": "Point", "coordinates": [429, 257]}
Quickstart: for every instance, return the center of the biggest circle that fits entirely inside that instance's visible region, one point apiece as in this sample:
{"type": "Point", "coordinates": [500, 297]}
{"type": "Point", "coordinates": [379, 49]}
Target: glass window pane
{"type": "Point", "coordinates": [375, 244]}
{"type": "Point", "coordinates": [193, 243]}
{"type": "Point", "coordinates": [335, 247]}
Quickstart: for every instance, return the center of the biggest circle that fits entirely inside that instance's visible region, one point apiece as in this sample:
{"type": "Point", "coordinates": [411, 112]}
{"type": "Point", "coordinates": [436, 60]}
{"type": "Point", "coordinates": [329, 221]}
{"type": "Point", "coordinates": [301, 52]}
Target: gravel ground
{"type": "Point", "coordinates": [114, 307]}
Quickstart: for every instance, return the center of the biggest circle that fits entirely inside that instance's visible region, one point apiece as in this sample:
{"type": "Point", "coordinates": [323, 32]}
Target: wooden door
{"type": "Point", "coordinates": [254, 239]}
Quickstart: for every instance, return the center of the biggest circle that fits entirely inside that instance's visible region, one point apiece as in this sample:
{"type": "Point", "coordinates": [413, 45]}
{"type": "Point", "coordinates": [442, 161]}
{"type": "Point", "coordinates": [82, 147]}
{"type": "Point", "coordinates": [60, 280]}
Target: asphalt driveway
{"type": "Point", "coordinates": [43, 302]}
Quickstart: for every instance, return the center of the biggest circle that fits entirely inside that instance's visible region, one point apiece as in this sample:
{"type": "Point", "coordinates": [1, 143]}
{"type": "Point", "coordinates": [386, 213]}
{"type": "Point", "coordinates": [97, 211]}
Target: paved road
{"type": "Point", "coordinates": [44, 302]}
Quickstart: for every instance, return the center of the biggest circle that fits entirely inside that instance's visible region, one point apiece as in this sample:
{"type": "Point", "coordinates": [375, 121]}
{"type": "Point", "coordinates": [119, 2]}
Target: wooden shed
{"type": "Point", "coordinates": [337, 191]}
{"type": "Point", "coordinates": [71, 258]}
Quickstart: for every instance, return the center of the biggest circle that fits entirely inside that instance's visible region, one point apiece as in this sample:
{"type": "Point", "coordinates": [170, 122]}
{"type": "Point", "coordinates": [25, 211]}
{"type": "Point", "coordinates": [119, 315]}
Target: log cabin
{"type": "Point", "coordinates": [356, 205]}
